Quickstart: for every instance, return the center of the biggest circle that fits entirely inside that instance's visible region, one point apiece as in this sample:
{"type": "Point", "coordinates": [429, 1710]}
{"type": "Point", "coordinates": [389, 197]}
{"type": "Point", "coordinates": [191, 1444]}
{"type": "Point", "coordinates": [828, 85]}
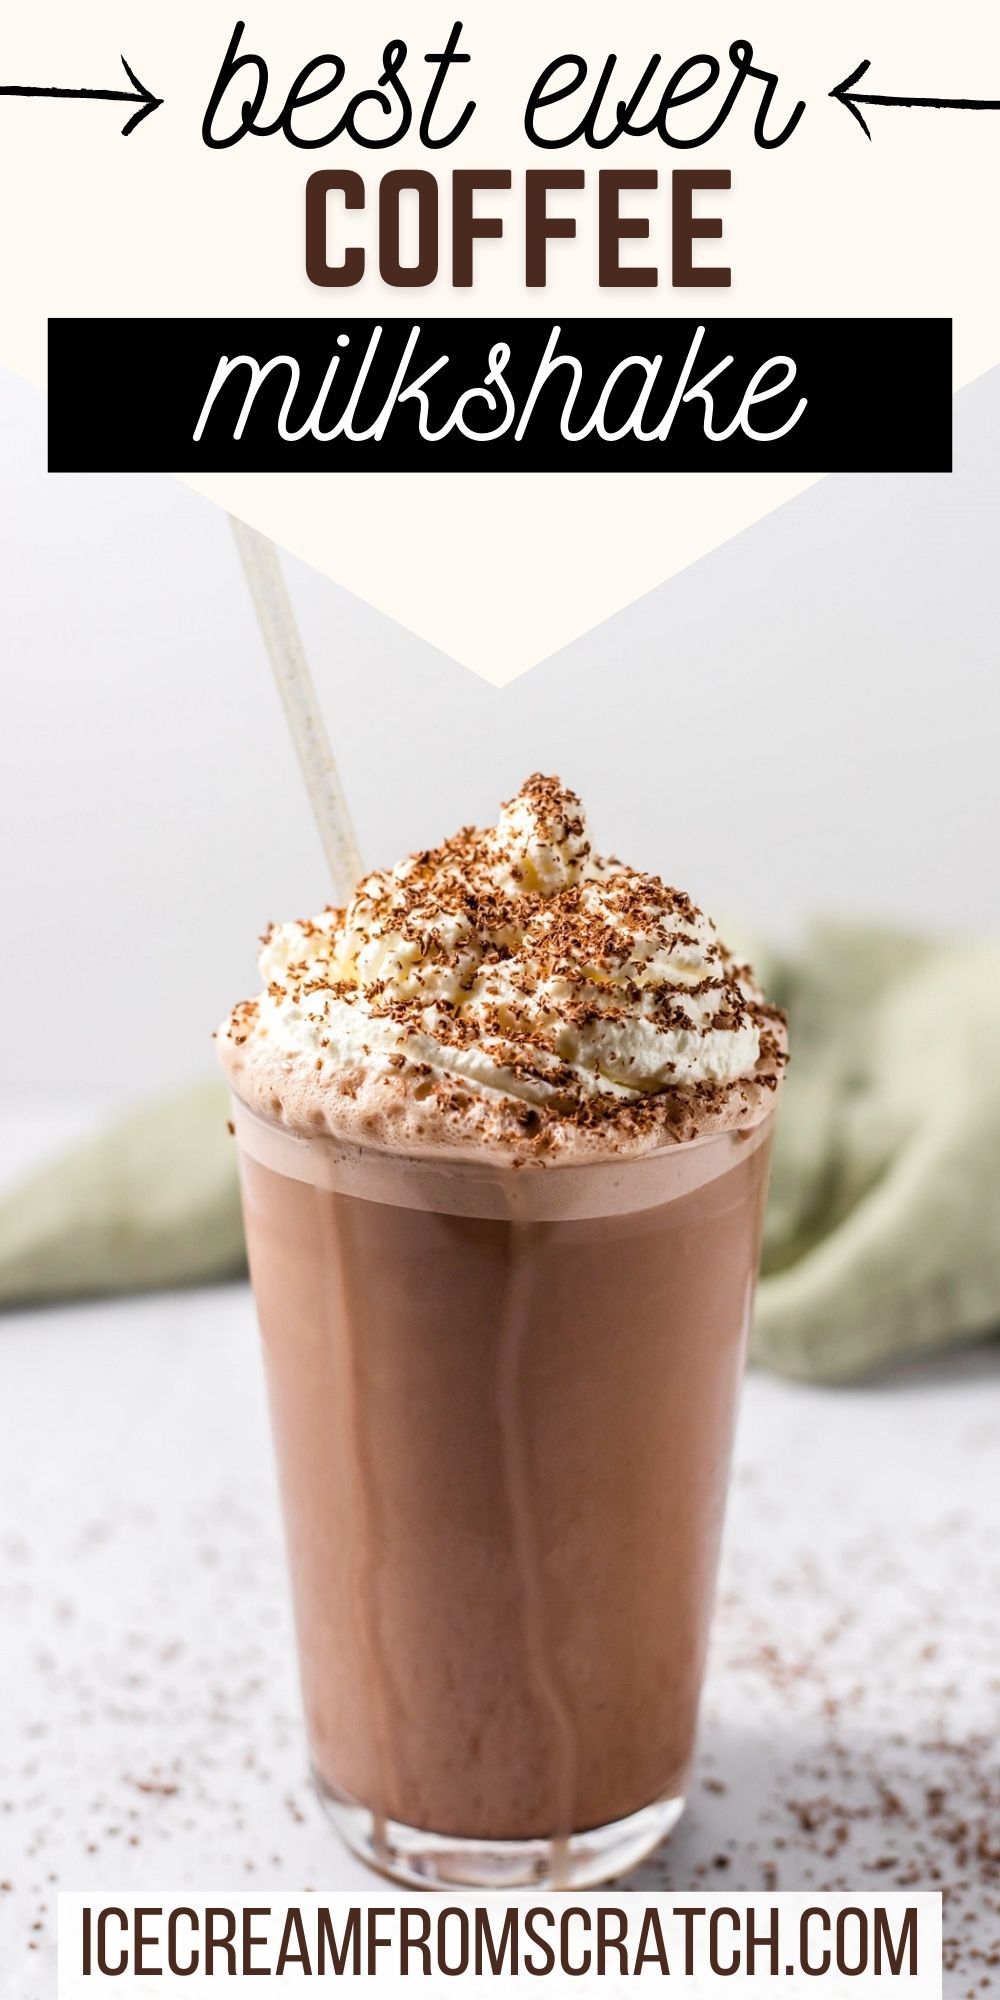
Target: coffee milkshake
{"type": "Point", "coordinates": [504, 1125]}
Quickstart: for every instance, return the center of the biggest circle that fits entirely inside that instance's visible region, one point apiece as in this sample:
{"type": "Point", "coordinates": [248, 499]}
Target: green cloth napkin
{"type": "Point", "coordinates": [152, 1203]}
{"type": "Point", "coordinates": [883, 1227]}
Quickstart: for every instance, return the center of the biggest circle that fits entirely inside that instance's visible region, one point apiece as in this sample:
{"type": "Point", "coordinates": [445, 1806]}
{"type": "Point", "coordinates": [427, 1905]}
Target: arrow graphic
{"type": "Point", "coordinates": [140, 96]}
{"type": "Point", "coordinates": [846, 94]}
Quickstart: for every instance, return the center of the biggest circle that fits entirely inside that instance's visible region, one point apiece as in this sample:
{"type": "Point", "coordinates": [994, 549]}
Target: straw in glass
{"type": "Point", "coordinates": [302, 710]}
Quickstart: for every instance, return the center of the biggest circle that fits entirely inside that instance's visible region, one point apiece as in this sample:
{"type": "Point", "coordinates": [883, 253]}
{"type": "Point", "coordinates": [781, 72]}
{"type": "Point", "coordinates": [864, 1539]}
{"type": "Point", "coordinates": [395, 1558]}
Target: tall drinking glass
{"type": "Point", "coordinates": [503, 1403]}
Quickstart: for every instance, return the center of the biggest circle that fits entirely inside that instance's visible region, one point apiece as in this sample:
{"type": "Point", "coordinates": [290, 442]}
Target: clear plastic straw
{"type": "Point", "coordinates": [302, 710]}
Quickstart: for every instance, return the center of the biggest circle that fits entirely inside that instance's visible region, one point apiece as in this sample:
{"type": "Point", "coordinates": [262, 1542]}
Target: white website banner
{"type": "Point", "coordinates": [578, 1944]}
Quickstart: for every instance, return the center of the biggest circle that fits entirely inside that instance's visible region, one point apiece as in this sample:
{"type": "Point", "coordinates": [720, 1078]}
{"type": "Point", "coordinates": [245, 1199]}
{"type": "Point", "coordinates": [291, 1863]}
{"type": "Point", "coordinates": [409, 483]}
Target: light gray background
{"type": "Point", "coordinates": [805, 720]}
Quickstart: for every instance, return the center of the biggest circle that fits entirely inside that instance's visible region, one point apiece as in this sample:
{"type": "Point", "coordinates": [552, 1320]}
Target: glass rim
{"type": "Point", "coordinates": [458, 1183]}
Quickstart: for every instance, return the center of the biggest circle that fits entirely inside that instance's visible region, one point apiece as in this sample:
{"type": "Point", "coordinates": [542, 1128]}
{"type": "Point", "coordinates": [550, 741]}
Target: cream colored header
{"type": "Point", "coordinates": [498, 569]}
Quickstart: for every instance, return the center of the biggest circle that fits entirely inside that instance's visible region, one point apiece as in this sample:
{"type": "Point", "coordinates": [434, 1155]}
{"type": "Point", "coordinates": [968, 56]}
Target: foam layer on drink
{"type": "Point", "coordinates": [454, 1184]}
{"type": "Point", "coordinates": [509, 994]}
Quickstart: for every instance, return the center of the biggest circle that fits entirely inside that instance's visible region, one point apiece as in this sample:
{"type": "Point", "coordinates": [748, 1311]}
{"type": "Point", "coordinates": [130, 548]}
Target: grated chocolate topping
{"type": "Point", "coordinates": [511, 990]}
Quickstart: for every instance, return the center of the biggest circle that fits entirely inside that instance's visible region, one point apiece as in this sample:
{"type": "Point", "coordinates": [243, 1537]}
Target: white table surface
{"type": "Point", "coordinates": [149, 1727]}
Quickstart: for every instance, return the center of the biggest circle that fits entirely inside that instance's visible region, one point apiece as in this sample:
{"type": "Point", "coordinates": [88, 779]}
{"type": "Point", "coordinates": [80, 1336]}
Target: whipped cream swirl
{"type": "Point", "coordinates": [513, 964]}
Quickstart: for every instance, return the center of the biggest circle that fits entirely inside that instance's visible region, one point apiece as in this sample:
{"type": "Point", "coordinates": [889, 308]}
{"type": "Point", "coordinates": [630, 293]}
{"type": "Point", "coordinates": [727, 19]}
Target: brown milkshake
{"type": "Point", "coordinates": [504, 1128]}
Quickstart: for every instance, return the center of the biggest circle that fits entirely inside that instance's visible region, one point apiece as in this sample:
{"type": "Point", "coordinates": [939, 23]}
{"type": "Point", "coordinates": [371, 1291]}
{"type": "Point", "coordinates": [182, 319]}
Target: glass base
{"type": "Point", "coordinates": [446, 1861]}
